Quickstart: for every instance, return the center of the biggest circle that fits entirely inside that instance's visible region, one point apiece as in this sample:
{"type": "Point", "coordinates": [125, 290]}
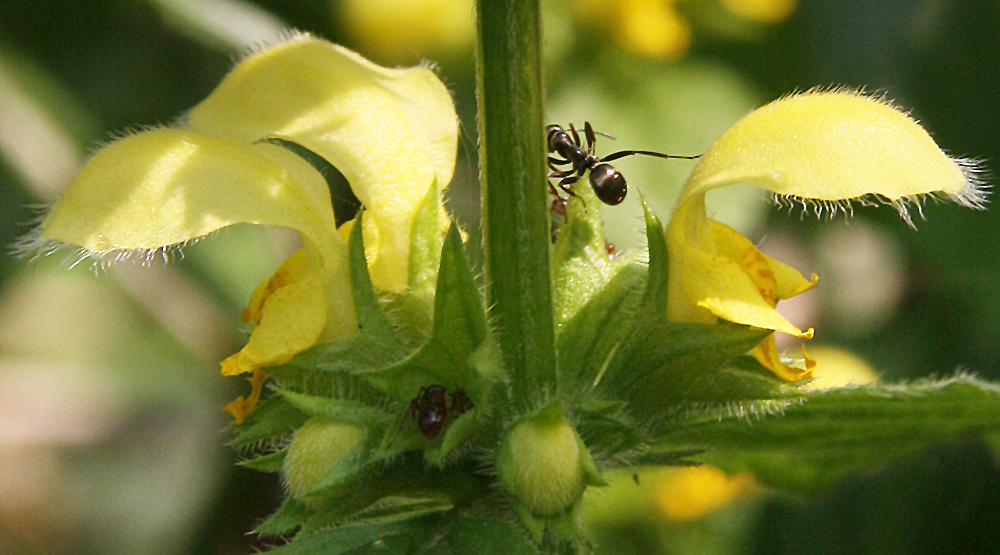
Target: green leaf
{"type": "Point", "coordinates": [346, 538]}
{"type": "Point", "coordinates": [814, 439]}
{"type": "Point", "coordinates": [292, 514]}
{"type": "Point", "coordinates": [668, 458]}
{"type": "Point", "coordinates": [345, 204]}
{"type": "Point", "coordinates": [271, 462]}
{"type": "Point", "coordinates": [339, 410]}
{"type": "Point", "coordinates": [663, 364]}
{"type": "Point", "coordinates": [459, 329]}
{"type": "Point", "coordinates": [489, 535]}
{"type": "Point", "coordinates": [274, 417]}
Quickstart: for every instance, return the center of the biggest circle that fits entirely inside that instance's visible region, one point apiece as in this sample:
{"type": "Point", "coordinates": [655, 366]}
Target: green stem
{"type": "Point", "coordinates": [515, 213]}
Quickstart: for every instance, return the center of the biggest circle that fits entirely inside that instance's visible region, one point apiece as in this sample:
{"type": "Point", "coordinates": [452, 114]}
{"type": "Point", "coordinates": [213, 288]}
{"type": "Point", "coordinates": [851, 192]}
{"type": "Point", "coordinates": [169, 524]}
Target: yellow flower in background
{"type": "Point", "coordinates": [763, 11]}
{"type": "Point", "coordinates": [822, 149]}
{"type": "Point", "coordinates": [658, 29]}
{"type": "Point", "coordinates": [391, 133]}
{"type": "Point", "coordinates": [839, 368]}
{"type": "Point", "coordinates": [688, 493]}
{"type": "Point", "coordinates": [408, 30]}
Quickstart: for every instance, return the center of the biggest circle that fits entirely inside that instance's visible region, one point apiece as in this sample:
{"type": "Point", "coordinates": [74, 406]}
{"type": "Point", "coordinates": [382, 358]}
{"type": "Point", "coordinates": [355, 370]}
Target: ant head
{"type": "Point", "coordinates": [608, 183]}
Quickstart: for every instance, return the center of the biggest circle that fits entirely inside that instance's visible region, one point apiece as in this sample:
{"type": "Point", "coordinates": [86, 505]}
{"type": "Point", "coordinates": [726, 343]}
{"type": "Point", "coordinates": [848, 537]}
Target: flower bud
{"type": "Point", "coordinates": [543, 463]}
{"type": "Point", "coordinates": [316, 448]}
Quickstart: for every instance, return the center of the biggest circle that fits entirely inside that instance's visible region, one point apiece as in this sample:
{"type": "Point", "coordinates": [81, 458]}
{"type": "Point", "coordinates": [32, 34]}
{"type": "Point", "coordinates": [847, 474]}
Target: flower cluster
{"type": "Point", "coordinates": [640, 345]}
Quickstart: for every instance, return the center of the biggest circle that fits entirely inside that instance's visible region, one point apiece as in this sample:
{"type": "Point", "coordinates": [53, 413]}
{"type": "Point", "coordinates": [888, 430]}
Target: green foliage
{"type": "Point", "coordinates": [633, 388]}
{"type": "Point", "coordinates": [806, 442]}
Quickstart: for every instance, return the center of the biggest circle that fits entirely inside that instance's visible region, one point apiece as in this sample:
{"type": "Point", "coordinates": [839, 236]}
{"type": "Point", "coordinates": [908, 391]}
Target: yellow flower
{"type": "Point", "coordinates": [657, 29]}
{"type": "Point", "coordinates": [391, 133]}
{"type": "Point", "coordinates": [822, 149]}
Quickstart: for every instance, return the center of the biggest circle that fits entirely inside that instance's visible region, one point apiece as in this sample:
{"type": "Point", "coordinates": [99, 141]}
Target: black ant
{"type": "Point", "coordinates": [430, 408]}
{"type": "Point", "coordinates": [608, 183]}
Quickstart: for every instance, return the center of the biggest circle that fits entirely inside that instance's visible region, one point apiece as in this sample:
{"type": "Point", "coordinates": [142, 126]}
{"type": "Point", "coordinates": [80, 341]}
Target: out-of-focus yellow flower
{"type": "Point", "coordinates": [391, 133]}
{"type": "Point", "coordinates": [820, 148]}
{"type": "Point", "coordinates": [403, 31]}
{"type": "Point", "coordinates": [689, 493]}
{"type": "Point", "coordinates": [656, 29]}
{"type": "Point", "coordinates": [653, 29]}
{"type": "Point", "coordinates": [839, 368]}
{"type": "Point", "coordinates": [763, 11]}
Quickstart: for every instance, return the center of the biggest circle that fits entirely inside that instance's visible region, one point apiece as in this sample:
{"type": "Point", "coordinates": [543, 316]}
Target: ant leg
{"type": "Point", "coordinates": [565, 183]}
{"type": "Point", "coordinates": [568, 180]}
{"type": "Point", "coordinates": [560, 173]}
{"type": "Point", "coordinates": [625, 153]}
{"type": "Point", "coordinates": [557, 162]}
{"type": "Point", "coordinates": [591, 139]}
{"type": "Point", "coordinates": [411, 412]}
{"type": "Point", "coordinates": [576, 136]}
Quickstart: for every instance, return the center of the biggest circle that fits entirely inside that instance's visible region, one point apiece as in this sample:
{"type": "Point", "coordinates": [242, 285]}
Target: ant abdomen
{"type": "Point", "coordinates": [608, 183]}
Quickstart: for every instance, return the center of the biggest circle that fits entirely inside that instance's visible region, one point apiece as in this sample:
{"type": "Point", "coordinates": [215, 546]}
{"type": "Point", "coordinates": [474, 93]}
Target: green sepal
{"type": "Point", "coordinates": [271, 462]}
{"type": "Point", "coordinates": [535, 525]}
{"type": "Point", "coordinates": [371, 319]}
{"type": "Point", "coordinates": [402, 507]}
{"type": "Point", "coordinates": [592, 333]}
{"type": "Point", "coordinates": [606, 426]}
{"type": "Point", "coordinates": [290, 515]}
{"type": "Point", "coordinates": [580, 262]}
{"type": "Point", "coordinates": [412, 310]}
{"type": "Point", "coordinates": [426, 242]}
{"type": "Point", "coordinates": [654, 300]}
{"type": "Point", "coordinates": [339, 410]}
{"type": "Point", "coordinates": [811, 440]}
{"type": "Point", "coordinates": [459, 329]}
{"type": "Point", "coordinates": [591, 476]}
{"type": "Point", "coordinates": [461, 428]}
{"type": "Point", "coordinates": [375, 346]}
{"type": "Point", "coordinates": [273, 418]}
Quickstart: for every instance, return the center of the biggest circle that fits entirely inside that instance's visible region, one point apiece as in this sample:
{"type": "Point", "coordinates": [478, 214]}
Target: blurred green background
{"type": "Point", "coordinates": [111, 437]}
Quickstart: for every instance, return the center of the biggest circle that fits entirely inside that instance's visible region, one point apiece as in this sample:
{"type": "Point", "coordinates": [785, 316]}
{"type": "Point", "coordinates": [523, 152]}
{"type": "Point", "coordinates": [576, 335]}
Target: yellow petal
{"type": "Point", "coordinates": [291, 321]}
{"type": "Point", "coordinates": [165, 187]}
{"type": "Point", "coordinates": [767, 355]}
{"type": "Point", "coordinates": [784, 281]}
{"type": "Point", "coordinates": [835, 146]}
{"type": "Point", "coordinates": [716, 272]}
{"type": "Point", "coordinates": [241, 407]}
{"type": "Point", "coordinates": [290, 271]}
{"type": "Point", "coordinates": [388, 131]}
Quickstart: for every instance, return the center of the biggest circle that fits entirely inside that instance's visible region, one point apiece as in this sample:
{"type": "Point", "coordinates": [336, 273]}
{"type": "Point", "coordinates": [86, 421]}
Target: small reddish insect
{"type": "Point", "coordinates": [430, 408]}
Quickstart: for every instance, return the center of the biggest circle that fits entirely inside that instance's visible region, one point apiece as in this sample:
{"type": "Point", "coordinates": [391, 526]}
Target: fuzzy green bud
{"type": "Point", "coordinates": [317, 446]}
{"type": "Point", "coordinates": [540, 462]}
